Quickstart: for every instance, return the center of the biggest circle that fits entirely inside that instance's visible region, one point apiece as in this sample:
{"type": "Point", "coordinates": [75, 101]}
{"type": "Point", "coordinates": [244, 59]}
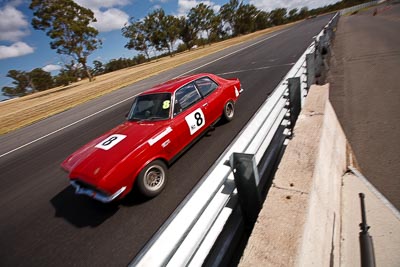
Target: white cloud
{"type": "Point", "coordinates": [13, 24]}
{"type": "Point", "coordinates": [269, 5]}
{"type": "Point", "coordinates": [185, 5]}
{"type": "Point", "coordinates": [156, 7]}
{"type": "Point", "coordinates": [96, 4]}
{"type": "Point", "coordinates": [13, 27]}
{"type": "Point", "coordinates": [111, 19]}
{"type": "Point", "coordinates": [51, 67]}
{"type": "Point", "coordinates": [15, 50]}
{"type": "Point", "coordinates": [108, 17]}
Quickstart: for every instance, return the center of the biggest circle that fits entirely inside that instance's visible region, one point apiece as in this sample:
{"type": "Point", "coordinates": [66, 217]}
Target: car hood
{"type": "Point", "coordinates": [96, 159]}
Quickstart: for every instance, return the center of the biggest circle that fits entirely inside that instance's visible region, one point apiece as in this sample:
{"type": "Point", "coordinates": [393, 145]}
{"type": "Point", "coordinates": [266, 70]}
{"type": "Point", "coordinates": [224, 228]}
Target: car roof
{"type": "Point", "coordinates": [172, 85]}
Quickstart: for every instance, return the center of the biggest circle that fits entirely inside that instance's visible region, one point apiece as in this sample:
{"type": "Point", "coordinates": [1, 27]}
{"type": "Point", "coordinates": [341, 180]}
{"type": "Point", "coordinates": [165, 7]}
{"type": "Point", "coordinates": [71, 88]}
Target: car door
{"type": "Point", "coordinates": [189, 116]}
{"type": "Point", "coordinates": [213, 101]}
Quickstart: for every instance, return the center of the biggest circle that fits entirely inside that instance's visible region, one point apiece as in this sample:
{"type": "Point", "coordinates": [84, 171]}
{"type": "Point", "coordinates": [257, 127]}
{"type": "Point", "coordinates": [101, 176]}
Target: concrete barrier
{"type": "Point", "coordinates": [299, 224]}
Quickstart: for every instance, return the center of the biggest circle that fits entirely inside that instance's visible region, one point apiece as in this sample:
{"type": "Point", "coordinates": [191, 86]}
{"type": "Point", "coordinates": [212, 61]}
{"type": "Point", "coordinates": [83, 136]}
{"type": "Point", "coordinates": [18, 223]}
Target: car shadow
{"type": "Point", "coordinates": [134, 198]}
{"type": "Point", "coordinates": [219, 123]}
{"type": "Point", "coordinates": [81, 211]}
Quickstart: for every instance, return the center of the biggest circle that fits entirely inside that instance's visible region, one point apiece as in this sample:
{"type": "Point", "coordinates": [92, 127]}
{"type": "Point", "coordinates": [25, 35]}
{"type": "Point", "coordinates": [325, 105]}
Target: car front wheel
{"type": "Point", "coordinates": [152, 179]}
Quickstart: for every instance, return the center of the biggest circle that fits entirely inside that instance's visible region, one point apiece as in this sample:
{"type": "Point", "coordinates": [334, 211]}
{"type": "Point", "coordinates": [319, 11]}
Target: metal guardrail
{"type": "Point", "coordinates": [358, 7]}
{"type": "Point", "coordinates": [196, 228]}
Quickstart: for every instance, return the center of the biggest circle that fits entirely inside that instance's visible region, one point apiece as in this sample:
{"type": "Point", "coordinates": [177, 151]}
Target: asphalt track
{"type": "Point", "coordinates": [365, 92]}
{"type": "Point", "coordinates": [42, 222]}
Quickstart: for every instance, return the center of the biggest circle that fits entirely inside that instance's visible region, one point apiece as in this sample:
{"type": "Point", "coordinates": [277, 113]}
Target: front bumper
{"type": "Point", "coordinates": [100, 196]}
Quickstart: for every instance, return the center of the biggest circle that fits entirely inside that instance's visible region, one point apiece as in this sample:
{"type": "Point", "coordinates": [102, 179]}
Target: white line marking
{"type": "Point", "coordinates": [67, 126]}
{"type": "Point", "coordinates": [120, 102]}
{"type": "Point", "coordinates": [232, 53]}
{"type": "Point", "coordinates": [261, 68]}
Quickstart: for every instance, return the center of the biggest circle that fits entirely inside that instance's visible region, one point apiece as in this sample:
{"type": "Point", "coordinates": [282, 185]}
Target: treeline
{"type": "Point", "coordinates": [27, 82]}
{"type": "Point", "coordinates": [157, 34]}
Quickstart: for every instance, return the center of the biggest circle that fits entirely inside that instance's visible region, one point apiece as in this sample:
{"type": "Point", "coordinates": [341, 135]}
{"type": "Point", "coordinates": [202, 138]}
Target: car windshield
{"type": "Point", "coordinates": [151, 107]}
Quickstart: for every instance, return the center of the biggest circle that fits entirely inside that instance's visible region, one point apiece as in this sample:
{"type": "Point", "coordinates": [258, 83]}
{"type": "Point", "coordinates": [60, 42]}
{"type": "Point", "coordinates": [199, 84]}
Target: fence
{"type": "Point", "coordinates": [358, 7]}
{"type": "Point", "coordinates": [208, 225]}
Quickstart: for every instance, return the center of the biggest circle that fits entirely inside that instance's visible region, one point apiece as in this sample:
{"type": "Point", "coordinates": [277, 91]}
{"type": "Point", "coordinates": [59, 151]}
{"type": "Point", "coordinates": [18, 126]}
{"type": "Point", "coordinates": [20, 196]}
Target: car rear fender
{"type": "Point", "coordinates": [234, 95]}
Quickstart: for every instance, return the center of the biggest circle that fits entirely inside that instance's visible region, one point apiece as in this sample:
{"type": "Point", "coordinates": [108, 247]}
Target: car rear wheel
{"type": "Point", "coordinates": [229, 111]}
{"type": "Point", "coordinates": [152, 179]}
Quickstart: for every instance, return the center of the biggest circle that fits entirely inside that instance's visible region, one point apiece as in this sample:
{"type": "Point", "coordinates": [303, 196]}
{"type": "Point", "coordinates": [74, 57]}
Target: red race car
{"type": "Point", "coordinates": [162, 123]}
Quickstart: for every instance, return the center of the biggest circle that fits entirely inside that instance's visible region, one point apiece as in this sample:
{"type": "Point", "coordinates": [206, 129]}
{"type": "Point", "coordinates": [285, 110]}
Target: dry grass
{"type": "Point", "coordinates": [13, 113]}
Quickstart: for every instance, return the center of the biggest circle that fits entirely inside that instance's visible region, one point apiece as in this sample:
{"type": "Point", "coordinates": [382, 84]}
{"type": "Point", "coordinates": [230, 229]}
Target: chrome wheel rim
{"type": "Point", "coordinates": [154, 178]}
{"type": "Point", "coordinates": [229, 110]}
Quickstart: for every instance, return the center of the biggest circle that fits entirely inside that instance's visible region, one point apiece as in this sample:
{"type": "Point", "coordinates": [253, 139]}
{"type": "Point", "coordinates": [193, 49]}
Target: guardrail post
{"type": "Point", "coordinates": [245, 171]}
{"type": "Point", "coordinates": [336, 20]}
{"type": "Point", "coordinates": [318, 57]}
{"type": "Point", "coordinates": [310, 64]}
{"type": "Point", "coordinates": [294, 100]}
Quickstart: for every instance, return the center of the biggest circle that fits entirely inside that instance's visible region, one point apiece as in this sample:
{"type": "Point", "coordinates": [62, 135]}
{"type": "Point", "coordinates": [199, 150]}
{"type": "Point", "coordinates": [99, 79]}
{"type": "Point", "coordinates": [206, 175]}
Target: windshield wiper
{"type": "Point", "coordinates": [154, 119]}
{"type": "Point", "coordinates": [148, 119]}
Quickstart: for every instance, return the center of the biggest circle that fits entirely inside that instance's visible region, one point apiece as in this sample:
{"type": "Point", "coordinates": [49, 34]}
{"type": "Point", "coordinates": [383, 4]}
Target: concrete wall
{"type": "Point", "coordinates": [299, 224]}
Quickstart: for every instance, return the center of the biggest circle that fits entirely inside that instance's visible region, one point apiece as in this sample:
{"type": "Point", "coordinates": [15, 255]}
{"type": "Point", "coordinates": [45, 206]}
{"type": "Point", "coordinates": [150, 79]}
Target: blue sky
{"type": "Point", "coordinates": [23, 48]}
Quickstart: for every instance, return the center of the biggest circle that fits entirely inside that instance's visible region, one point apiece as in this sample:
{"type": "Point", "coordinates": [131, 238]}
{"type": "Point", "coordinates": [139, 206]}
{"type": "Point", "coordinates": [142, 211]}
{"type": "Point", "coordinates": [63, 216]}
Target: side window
{"type": "Point", "coordinates": [185, 97]}
{"type": "Point", "coordinates": [205, 86]}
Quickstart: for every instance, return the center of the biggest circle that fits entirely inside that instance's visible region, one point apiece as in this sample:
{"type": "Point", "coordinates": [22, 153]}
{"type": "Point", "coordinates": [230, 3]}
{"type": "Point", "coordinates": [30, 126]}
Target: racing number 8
{"type": "Point", "coordinates": [199, 119]}
{"type": "Point", "coordinates": [109, 141]}
{"type": "Point", "coordinates": [195, 120]}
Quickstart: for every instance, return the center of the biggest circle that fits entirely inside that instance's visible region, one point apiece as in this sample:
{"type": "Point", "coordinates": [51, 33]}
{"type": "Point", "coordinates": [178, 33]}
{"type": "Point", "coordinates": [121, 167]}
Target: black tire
{"type": "Point", "coordinates": [229, 111]}
{"type": "Point", "coordinates": [152, 179]}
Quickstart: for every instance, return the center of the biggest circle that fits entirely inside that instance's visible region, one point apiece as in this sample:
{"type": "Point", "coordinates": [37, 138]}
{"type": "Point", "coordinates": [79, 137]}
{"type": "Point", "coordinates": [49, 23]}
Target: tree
{"type": "Point", "coordinates": [139, 39]}
{"type": "Point", "coordinates": [303, 13]}
{"type": "Point", "coordinates": [228, 14]}
{"type": "Point", "coordinates": [67, 24]}
{"type": "Point", "coordinates": [217, 30]}
{"type": "Point", "coordinates": [117, 64]}
{"type": "Point", "coordinates": [98, 67]}
{"type": "Point", "coordinates": [68, 74]}
{"type": "Point", "coordinates": [171, 27]}
{"type": "Point", "coordinates": [262, 20]}
{"type": "Point", "coordinates": [187, 34]}
{"type": "Point", "coordinates": [27, 82]}
{"type": "Point", "coordinates": [163, 30]}
{"type": "Point", "coordinates": [245, 19]}
{"type": "Point", "coordinates": [153, 26]}
{"type": "Point", "coordinates": [201, 18]}
{"type": "Point", "coordinates": [139, 59]}
{"type": "Point", "coordinates": [292, 15]}
{"type": "Point", "coordinates": [40, 80]}
{"type": "Point", "coordinates": [278, 16]}
{"type": "Point", "coordinates": [21, 84]}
